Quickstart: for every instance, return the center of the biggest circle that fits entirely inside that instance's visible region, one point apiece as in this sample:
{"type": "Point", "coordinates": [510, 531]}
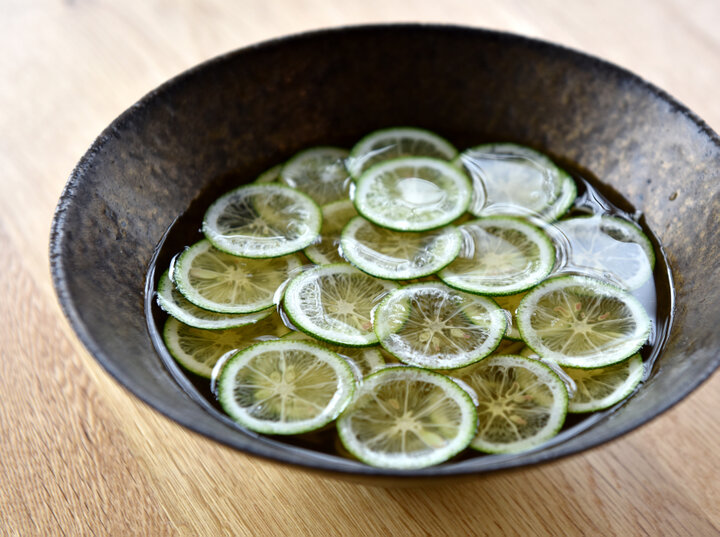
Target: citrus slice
{"type": "Point", "coordinates": [326, 250]}
{"type": "Point", "coordinates": [224, 283]}
{"type": "Point", "coordinates": [430, 325]}
{"type": "Point", "coordinates": [398, 255]}
{"type": "Point", "coordinates": [397, 142]}
{"type": "Point", "coordinates": [269, 176]}
{"type": "Point", "coordinates": [262, 220]}
{"type": "Point", "coordinates": [365, 359]}
{"type": "Point", "coordinates": [285, 387]}
{"type": "Point", "coordinates": [405, 417]}
{"type": "Point", "coordinates": [412, 194]}
{"type": "Point", "coordinates": [334, 303]}
{"type": "Point", "coordinates": [320, 173]}
{"type": "Point", "coordinates": [576, 321]}
{"type": "Point", "coordinates": [501, 255]}
{"type": "Point", "coordinates": [515, 180]}
{"type": "Point", "coordinates": [174, 303]}
{"type": "Point", "coordinates": [510, 303]}
{"type": "Point", "coordinates": [522, 403]}
{"type": "Point", "coordinates": [198, 350]}
{"type": "Point", "coordinates": [566, 199]}
{"type": "Point", "coordinates": [597, 389]}
{"type": "Point", "coordinates": [608, 247]}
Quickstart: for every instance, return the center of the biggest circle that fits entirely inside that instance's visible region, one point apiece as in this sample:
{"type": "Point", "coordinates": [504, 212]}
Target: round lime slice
{"type": "Point", "coordinates": [412, 194]}
{"type": "Point", "coordinates": [198, 350]}
{"type": "Point", "coordinates": [501, 255]}
{"type": "Point", "coordinates": [220, 282]}
{"type": "Point", "coordinates": [271, 175]}
{"type": "Point", "coordinates": [285, 387]}
{"type": "Point", "coordinates": [334, 303]}
{"type": "Point", "coordinates": [522, 403]}
{"type": "Point", "coordinates": [320, 173]}
{"type": "Point", "coordinates": [576, 321]}
{"type": "Point", "coordinates": [364, 360]}
{"type": "Point", "coordinates": [430, 325]}
{"type": "Point", "coordinates": [398, 255]}
{"type": "Point", "coordinates": [514, 179]}
{"type": "Point", "coordinates": [609, 248]}
{"type": "Point", "coordinates": [174, 303]}
{"type": "Point", "coordinates": [597, 389]}
{"type": "Point", "coordinates": [262, 220]}
{"type": "Point", "coordinates": [405, 417]}
{"type": "Point", "coordinates": [325, 251]}
{"type": "Point", "coordinates": [564, 201]}
{"type": "Point", "coordinates": [397, 142]}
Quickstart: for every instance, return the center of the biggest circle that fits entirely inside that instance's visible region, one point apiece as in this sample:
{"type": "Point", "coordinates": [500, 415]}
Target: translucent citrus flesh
{"type": "Point", "coordinates": [395, 254]}
{"type": "Point", "coordinates": [431, 326]}
{"type": "Point", "coordinates": [320, 173]}
{"type": "Point", "coordinates": [603, 387]}
{"type": "Point", "coordinates": [215, 280]}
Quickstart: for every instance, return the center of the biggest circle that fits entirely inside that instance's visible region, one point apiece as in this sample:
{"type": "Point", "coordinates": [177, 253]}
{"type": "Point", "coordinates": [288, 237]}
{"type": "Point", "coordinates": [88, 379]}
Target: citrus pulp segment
{"type": "Point", "coordinates": [198, 350]}
{"type": "Point", "coordinates": [430, 325]}
{"type": "Point", "coordinates": [398, 255]}
{"type": "Point", "coordinates": [577, 321]}
{"type": "Point", "coordinates": [412, 193]}
{"type": "Point", "coordinates": [285, 387]}
{"type": "Point", "coordinates": [220, 282]}
{"type": "Point", "coordinates": [501, 255]}
{"type": "Point", "coordinates": [334, 303]}
{"type": "Point", "coordinates": [366, 359]}
{"type": "Point", "coordinates": [515, 180]}
{"type": "Point", "coordinates": [609, 247]}
{"type": "Point", "coordinates": [262, 220]}
{"type": "Point", "coordinates": [601, 388]}
{"type": "Point", "coordinates": [406, 417]}
{"type": "Point", "coordinates": [320, 173]}
{"type": "Point", "coordinates": [397, 142]}
{"type": "Point", "coordinates": [174, 303]}
{"type": "Point", "coordinates": [326, 250]}
{"type": "Point", "coordinates": [522, 403]}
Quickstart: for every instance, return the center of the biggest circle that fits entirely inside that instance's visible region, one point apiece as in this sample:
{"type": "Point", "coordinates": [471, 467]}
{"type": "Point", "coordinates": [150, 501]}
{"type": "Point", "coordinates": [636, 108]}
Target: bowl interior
{"type": "Point", "coordinates": [229, 119]}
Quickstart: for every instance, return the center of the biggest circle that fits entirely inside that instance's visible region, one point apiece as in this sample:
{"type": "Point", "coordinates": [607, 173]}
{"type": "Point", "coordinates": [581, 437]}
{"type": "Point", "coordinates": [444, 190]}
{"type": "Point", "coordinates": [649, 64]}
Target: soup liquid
{"type": "Point", "coordinates": [594, 198]}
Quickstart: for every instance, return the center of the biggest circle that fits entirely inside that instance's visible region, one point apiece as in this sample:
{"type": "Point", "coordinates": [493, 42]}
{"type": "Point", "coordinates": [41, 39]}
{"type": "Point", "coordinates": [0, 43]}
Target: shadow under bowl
{"type": "Point", "coordinates": [238, 114]}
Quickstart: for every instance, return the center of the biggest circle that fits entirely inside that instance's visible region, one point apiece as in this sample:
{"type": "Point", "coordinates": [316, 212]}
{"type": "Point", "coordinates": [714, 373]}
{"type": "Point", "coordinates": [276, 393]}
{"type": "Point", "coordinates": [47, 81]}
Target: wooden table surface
{"type": "Point", "coordinates": [80, 456]}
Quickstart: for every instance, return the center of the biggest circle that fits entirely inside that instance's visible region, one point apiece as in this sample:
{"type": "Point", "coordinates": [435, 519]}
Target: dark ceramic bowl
{"type": "Point", "coordinates": [230, 118]}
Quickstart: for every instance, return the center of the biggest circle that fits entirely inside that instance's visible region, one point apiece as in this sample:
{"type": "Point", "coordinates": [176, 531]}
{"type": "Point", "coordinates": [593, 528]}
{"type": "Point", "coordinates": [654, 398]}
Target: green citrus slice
{"type": "Point", "coordinates": [522, 403]}
{"type": "Point", "coordinates": [501, 255]}
{"type": "Point", "coordinates": [398, 255]}
{"type": "Point", "coordinates": [320, 173]}
{"type": "Point", "coordinates": [566, 199]}
{"type": "Point", "coordinates": [271, 175]}
{"type": "Point", "coordinates": [174, 303]}
{"type": "Point", "coordinates": [285, 387]}
{"type": "Point", "coordinates": [412, 194]}
{"type": "Point", "coordinates": [364, 360]}
{"type": "Point", "coordinates": [198, 350]}
{"type": "Point", "coordinates": [609, 247]}
{"type": "Point", "coordinates": [262, 220]}
{"type": "Point", "coordinates": [576, 321]}
{"type": "Point", "coordinates": [514, 179]}
{"type": "Point", "coordinates": [430, 325]}
{"type": "Point", "coordinates": [405, 417]}
{"type": "Point", "coordinates": [397, 142]}
{"type": "Point", "coordinates": [325, 250]}
{"type": "Point", "coordinates": [597, 389]}
{"type": "Point", "coordinates": [334, 303]}
{"type": "Point", "coordinates": [224, 283]}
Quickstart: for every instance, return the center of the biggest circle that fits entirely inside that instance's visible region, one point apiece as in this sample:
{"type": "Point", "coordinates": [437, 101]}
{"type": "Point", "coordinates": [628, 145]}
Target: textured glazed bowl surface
{"type": "Point", "coordinates": [245, 111]}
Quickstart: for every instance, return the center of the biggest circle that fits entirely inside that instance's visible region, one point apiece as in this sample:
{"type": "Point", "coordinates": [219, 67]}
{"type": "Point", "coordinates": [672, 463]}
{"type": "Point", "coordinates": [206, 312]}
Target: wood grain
{"type": "Point", "coordinates": [80, 456]}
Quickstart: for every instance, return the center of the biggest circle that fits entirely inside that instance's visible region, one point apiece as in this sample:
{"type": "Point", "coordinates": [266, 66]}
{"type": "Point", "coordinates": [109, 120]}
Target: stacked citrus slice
{"type": "Point", "coordinates": [439, 303]}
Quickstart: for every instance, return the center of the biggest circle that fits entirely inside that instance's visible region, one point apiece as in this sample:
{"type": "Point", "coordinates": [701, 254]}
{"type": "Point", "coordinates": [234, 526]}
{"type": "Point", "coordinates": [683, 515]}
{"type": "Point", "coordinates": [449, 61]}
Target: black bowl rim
{"type": "Point", "coordinates": [293, 456]}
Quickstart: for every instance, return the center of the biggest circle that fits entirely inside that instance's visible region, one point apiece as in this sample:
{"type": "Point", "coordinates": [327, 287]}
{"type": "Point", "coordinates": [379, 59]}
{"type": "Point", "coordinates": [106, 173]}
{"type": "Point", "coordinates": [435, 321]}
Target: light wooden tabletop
{"type": "Point", "coordinates": [80, 456]}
